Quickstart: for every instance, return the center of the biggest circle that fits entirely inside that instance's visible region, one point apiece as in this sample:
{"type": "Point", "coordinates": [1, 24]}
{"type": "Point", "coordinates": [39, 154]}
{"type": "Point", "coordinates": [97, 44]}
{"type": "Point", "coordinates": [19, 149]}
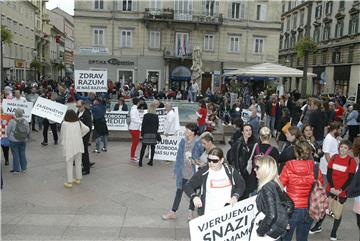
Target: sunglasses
{"type": "Point", "coordinates": [213, 160]}
{"type": "Point", "coordinates": [256, 168]}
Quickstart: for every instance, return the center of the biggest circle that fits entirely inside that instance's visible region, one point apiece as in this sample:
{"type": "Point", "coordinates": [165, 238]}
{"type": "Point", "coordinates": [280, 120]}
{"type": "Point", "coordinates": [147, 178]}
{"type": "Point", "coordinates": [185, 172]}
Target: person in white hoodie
{"type": "Point", "coordinates": [171, 123]}
{"type": "Point", "coordinates": [134, 128]}
{"type": "Point", "coordinates": [72, 132]}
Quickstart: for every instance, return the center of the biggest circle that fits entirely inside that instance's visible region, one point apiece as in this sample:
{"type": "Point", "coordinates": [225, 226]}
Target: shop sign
{"type": "Point", "coordinates": [112, 61]}
{"type": "Point", "coordinates": [19, 63]}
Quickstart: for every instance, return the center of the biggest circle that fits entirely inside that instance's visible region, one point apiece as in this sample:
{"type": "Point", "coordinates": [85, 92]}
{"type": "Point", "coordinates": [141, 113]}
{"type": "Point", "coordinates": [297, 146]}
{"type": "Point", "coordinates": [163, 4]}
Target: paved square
{"type": "Point", "coordinates": [117, 201]}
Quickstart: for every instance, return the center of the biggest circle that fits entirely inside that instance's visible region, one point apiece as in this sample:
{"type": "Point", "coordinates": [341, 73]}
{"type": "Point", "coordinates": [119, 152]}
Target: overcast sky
{"type": "Point", "coordinates": [66, 5]}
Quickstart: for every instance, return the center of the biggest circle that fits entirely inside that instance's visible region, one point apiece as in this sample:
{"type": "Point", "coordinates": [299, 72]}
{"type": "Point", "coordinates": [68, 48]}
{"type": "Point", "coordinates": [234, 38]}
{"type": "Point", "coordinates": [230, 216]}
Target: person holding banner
{"type": "Point", "coordinates": [5, 143]}
{"type": "Point", "coordinates": [134, 128]}
{"type": "Point", "coordinates": [272, 219]}
{"type": "Point", "coordinates": [52, 125]}
{"type": "Point", "coordinates": [72, 132]}
{"type": "Point", "coordinates": [149, 133]}
{"type": "Point", "coordinates": [171, 126]}
{"type": "Point", "coordinates": [220, 185]}
{"type": "Point", "coordinates": [189, 148]}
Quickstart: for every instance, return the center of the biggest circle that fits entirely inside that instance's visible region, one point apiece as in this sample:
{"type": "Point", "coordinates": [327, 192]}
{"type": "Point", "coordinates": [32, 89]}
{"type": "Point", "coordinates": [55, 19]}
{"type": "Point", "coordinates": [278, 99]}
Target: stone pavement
{"type": "Point", "coordinates": [117, 201]}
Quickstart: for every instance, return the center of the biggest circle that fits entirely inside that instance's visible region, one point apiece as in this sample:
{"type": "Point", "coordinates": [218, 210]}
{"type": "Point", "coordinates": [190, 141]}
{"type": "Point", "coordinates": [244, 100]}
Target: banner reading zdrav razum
{"type": "Point", "coordinates": [90, 81]}
{"type": "Point", "coordinates": [9, 107]}
{"type": "Point", "coordinates": [227, 224]}
{"type": "Point", "coordinates": [117, 120]}
{"type": "Point", "coordinates": [50, 110]}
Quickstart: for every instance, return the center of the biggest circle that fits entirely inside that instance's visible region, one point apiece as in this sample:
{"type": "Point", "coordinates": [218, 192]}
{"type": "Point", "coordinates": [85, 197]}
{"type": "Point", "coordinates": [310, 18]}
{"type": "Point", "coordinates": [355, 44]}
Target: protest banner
{"type": "Point", "coordinates": [162, 116]}
{"type": "Point", "coordinates": [9, 107]}
{"type": "Point", "coordinates": [50, 110]}
{"type": "Point", "coordinates": [245, 115]}
{"type": "Point", "coordinates": [117, 120]}
{"type": "Point", "coordinates": [227, 224]}
{"type": "Point", "coordinates": [91, 81]}
{"type": "Point", "coordinates": [167, 149]}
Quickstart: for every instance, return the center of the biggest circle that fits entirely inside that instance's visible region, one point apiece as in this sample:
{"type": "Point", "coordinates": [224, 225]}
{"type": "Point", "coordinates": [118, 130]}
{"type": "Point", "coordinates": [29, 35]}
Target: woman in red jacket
{"type": "Point", "coordinates": [297, 177]}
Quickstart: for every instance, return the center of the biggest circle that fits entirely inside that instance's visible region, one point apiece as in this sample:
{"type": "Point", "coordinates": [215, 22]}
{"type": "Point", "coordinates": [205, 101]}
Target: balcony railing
{"type": "Point", "coordinates": [171, 53]}
{"type": "Point", "coordinates": [180, 16]}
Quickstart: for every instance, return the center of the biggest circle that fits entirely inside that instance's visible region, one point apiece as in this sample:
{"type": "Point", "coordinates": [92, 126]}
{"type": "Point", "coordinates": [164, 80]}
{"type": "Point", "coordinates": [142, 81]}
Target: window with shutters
{"type": "Point", "coordinates": [326, 34]}
{"type": "Point", "coordinates": [328, 8]}
{"type": "Point", "coordinates": [126, 39]}
{"type": "Point", "coordinates": [341, 4]}
{"type": "Point", "coordinates": [210, 7]}
{"type": "Point", "coordinates": [351, 54]}
{"type": "Point", "coordinates": [98, 37]}
{"type": "Point", "coordinates": [302, 16]}
{"type": "Point", "coordinates": [354, 23]}
{"type": "Point", "coordinates": [154, 38]}
{"type": "Point", "coordinates": [318, 11]}
{"type": "Point", "coordinates": [259, 45]}
{"type": "Point", "coordinates": [295, 16]}
{"type": "Point", "coordinates": [288, 23]}
{"type": "Point", "coordinates": [209, 40]}
{"type": "Point", "coordinates": [183, 10]}
{"type": "Point", "coordinates": [336, 58]}
{"type": "Point", "coordinates": [317, 34]}
{"type": "Point", "coordinates": [237, 10]}
{"type": "Point", "coordinates": [234, 44]}
{"type": "Point", "coordinates": [260, 12]}
{"type": "Point", "coordinates": [99, 4]}
{"type": "Point", "coordinates": [339, 28]}
{"type": "Point", "coordinates": [127, 5]}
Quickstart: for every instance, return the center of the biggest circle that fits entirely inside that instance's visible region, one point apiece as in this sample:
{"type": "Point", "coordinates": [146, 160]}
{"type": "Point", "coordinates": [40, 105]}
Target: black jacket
{"type": "Point", "coordinates": [124, 107]}
{"type": "Point", "coordinates": [287, 154]}
{"type": "Point", "coordinates": [318, 120]}
{"type": "Point", "coordinates": [199, 179]}
{"type": "Point", "coordinates": [150, 124]}
{"type": "Point", "coordinates": [267, 201]}
{"type": "Point", "coordinates": [85, 118]}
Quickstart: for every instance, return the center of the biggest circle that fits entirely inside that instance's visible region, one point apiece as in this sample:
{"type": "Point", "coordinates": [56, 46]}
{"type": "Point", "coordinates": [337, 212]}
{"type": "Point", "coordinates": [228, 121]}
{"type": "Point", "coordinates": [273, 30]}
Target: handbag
{"type": "Point", "coordinates": [83, 129]}
{"type": "Point", "coordinates": [286, 127]}
{"type": "Point", "coordinates": [335, 207]}
{"type": "Point", "coordinates": [158, 137]}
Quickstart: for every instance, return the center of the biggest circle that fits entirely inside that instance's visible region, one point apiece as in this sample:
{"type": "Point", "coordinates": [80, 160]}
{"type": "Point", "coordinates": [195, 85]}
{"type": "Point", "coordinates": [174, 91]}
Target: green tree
{"type": "Point", "coordinates": [6, 39]}
{"type": "Point", "coordinates": [37, 66]}
{"type": "Point", "coordinates": [303, 48]}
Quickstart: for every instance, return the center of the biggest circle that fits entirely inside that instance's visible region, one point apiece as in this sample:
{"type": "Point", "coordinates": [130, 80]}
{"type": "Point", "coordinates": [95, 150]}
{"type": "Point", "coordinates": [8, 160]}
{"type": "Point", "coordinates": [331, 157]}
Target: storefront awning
{"type": "Point", "coordinates": [181, 73]}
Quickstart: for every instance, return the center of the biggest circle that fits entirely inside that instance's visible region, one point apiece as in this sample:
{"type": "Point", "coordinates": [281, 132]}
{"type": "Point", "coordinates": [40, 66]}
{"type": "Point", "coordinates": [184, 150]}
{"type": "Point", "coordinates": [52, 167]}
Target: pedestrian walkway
{"type": "Point", "coordinates": [117, 201]}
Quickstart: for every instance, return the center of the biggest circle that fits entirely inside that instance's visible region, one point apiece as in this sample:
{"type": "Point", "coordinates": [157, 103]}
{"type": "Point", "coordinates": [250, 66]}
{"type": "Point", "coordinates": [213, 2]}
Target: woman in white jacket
{"type": "Point", "coordinates": [72, 131]}
{"type": "Point", "coordinates": [134, 128]}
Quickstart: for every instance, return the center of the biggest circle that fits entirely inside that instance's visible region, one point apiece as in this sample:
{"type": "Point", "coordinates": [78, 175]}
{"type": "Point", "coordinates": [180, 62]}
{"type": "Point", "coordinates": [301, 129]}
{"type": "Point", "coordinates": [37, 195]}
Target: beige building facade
{"type": "Point", "coordinates": [334, 26]}
{"type": "Point", "coordinates": [24, 20]}
{"type": "Point", "coordinates": [153, 40]}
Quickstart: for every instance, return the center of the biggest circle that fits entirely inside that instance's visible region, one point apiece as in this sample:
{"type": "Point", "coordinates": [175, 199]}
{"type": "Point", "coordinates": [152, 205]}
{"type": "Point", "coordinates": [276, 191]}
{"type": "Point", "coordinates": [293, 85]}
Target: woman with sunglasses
{"type": "Point", "coordinates": [190, 149]}
{"type": "Point", "coordinates": [219, 184]}
{"type": "Point", "coordinates": [270, 223]}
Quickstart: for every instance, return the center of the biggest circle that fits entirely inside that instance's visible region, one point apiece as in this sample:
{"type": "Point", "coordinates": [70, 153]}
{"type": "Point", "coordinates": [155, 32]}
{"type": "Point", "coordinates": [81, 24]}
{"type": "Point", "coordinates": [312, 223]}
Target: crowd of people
{"type": "Point", "coordinates": [277, 152]}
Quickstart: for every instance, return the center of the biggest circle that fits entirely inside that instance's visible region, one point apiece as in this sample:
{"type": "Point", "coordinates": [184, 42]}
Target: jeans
{"type": "Point", "coordinates": [135, 134]}
{"type": "Point", "coordinates": [178, 196]}
{"type": "Point", "coordinates": [19, 158]}
{"type": "Point", "coordinates": [101, 140]}
{"type": "Point", "coordinates": [270, 122]}
{"type": "Point", "coordinates": [202, 129]}
{"type": "Point", "coordinates": [301, 221]}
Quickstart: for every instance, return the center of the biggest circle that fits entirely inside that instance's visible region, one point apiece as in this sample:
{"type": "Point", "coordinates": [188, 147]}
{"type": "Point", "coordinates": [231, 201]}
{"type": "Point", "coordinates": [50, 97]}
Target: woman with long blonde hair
{"type": "Point", "coordinates": [271, 221]}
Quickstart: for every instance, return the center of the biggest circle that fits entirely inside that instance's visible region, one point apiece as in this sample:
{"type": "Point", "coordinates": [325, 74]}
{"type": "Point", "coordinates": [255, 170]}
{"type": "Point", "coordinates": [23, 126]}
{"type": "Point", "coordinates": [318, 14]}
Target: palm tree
{"type": "Point", "coordinates": [6, 38]}
{"type": "Point", "coordinates": [303, 47]}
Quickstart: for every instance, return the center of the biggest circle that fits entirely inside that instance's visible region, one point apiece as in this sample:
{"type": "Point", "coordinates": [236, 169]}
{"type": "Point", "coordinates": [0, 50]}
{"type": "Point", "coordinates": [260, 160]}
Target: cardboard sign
{"type": "Point", "coordinates": [91, 81]}
{"type": "Point", "coordinates": [229, 223]}
{"type": "Point", "coordinates": [245, 115]}
{"type": "Point", "coordinates": [117, 120]}
{"type": "Point", "coordinates": [9, 107]}
{"type": "Point", "coordinates": [167, 149]}
{"type": "Point", "coordinates": [49, 109]}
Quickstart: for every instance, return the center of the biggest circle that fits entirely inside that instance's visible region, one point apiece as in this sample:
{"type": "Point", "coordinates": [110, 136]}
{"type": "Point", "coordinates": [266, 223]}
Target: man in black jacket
{"type": "Point", "coordinates": [84, 115]}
